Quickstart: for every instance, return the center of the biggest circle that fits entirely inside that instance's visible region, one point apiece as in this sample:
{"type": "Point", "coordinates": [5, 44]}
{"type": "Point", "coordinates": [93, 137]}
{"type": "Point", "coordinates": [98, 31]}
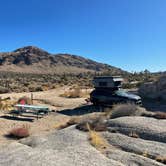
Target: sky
{"type": "Point", "coordinates": [129, 34]}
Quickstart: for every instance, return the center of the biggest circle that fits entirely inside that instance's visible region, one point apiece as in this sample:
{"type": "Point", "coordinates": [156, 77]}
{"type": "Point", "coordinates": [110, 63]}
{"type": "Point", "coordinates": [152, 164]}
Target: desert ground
{"type": "Point", "coordinates": [49, 98]}
{"type": "Point", "coordinates": [131, 140]}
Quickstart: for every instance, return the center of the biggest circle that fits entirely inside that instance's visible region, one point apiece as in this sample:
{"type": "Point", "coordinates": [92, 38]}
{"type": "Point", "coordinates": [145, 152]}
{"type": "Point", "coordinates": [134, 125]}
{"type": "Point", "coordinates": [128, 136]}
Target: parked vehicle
{"type": "Point", "coordinates": [108, 92]}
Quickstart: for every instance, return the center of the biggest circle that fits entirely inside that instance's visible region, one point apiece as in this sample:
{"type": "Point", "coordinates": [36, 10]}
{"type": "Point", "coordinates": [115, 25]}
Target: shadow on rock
{"type": "Point", "coordinates": [17, 118]}
{"type": "Point", "coordinates": [81, 110]}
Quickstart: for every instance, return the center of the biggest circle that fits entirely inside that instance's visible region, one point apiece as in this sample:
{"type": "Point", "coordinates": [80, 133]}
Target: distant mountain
{"type": "Point", "coordinates": [31, 59]}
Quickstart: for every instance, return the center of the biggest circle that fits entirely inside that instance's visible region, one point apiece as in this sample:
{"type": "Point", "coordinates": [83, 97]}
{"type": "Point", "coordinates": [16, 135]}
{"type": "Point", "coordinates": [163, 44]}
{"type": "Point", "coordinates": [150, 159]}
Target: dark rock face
{"type": "Point", "coordinates": [32, 56]}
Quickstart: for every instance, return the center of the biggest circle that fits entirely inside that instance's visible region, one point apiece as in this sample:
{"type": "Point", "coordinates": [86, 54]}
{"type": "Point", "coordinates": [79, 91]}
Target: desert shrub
{"type": "Point", "coordinates": [98, 124]}
{"type": "Point", "coordinates": [26, 84]}
{"type": "Point", "coordinates": [6, 105]}
{"type": "Point", "coordinates": [4, 89]}
{"type": "Point", "coordinates": [160, 115]}
{"type": "Point", "coordinates": [38, 88]}
{"type": "Point", "coordinates": [35, 88]}
{"type": "Point", "coordinates": [31, 88]}
{"type": "Point", "coordinates": [126, 110]}
{"type": "Point", "coordinates": [145, 154]}
{"type": "Point", "coordinates": [23, 89]}
{"type": "Point", "coordinates": [95, 121]}
{"type": "Point", "coordinates": [161, 159]}
{"type": "Point", "coordinates": [20, 132]}
{"type": "Point", "coordinates": [74, 93]}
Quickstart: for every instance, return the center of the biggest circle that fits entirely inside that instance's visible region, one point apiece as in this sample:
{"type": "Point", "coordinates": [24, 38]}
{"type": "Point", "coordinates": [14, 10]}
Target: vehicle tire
{"type": "Point", "coordinates": [95, 102]}
{"type": "Point", "coordinates": [130, 102]}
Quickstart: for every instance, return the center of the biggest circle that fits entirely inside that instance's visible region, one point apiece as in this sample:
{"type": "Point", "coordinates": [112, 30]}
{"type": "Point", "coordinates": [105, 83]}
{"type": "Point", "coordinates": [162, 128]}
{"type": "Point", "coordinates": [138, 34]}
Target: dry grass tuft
{"type": "Point", "coordinates": [6, 105]}
{"type": "Point", "coordinates": [145, 154]}
{"type": "Point", "coordinates": [97, 140]}
{"type": "Point", "coordinates": [75, 93]}
{"type": "Point", "coordinates": [161, 159]}
{"type": "Point", "coordinates": [62, 125]}
{"type": "Point", "coordinates": [133, 134]}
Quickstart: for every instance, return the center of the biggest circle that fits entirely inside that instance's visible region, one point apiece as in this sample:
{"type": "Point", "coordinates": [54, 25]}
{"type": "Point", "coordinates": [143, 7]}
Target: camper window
{"type": "Point", "coordinates": [102, 83]}
{"type": "Point", "coordinates": [117, 83]}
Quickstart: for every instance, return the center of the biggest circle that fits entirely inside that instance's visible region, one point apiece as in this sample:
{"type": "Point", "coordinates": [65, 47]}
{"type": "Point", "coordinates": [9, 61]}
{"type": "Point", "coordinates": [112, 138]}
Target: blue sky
{"type": "Point", "coordinates": [130, 34]}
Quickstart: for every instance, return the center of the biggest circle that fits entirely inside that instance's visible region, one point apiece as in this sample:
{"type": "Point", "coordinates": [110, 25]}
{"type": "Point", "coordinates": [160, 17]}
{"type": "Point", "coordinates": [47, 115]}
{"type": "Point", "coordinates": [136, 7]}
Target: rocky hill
{"type": "Point", "coordinates": [31, 59]}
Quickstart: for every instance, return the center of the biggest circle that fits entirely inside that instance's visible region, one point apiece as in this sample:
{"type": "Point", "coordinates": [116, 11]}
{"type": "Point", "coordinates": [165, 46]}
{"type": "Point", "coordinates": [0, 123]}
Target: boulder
{"type": "Point", "coordinates": [131, 159]}
{"type": "Point", "coordinates": [144, 127]}
{"type": "Point", "coordinates": [150, 149]}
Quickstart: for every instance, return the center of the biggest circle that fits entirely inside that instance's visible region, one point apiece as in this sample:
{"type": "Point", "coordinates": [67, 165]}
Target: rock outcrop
{"type": "Point", "coordinates": [146, 128]}
{"type": "Point", "coordinates": [151, 149]}
{"type": "Point", "coordinates": [154, 90]}
{"type": "Point", "coordinates": [67, 147]}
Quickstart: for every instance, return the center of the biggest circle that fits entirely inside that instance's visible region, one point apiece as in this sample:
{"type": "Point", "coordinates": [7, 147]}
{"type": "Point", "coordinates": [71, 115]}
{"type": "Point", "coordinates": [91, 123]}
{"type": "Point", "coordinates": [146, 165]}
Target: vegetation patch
{"type": "Point", "coordinates": [75, 93]}
{"type": "Point", "coordinates": [6, 105]}
{"type": "Point", "coordinates": [120, 110]}
{"type": "Point", "coordinates": [160, 115]}
{"type": "Point", "coordinates": [19, 132]}
{"type": "Point", "coordinates": [96, 139]}
{"type": "Point", "coordinates": [133, 134]}
{"type": "Point", "coordinates": [161, 159]}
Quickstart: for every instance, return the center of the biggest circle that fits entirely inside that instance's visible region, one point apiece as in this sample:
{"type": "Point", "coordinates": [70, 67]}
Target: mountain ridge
{"type": "Point", "coordinates": [31, 59]}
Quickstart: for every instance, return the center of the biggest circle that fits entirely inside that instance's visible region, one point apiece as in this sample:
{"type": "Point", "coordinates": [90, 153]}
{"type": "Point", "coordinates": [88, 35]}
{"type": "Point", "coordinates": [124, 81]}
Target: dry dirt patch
{"type": "Point", "coordinates": [36, 127]}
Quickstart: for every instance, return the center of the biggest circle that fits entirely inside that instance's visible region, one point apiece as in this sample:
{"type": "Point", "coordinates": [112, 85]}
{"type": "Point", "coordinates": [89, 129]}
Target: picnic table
{"type": "Point", "coordinates": [33, 109]}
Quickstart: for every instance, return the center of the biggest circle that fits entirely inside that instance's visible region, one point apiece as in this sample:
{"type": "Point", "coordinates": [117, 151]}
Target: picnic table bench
{"type": "Point", "coordinates": [32, 109]}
